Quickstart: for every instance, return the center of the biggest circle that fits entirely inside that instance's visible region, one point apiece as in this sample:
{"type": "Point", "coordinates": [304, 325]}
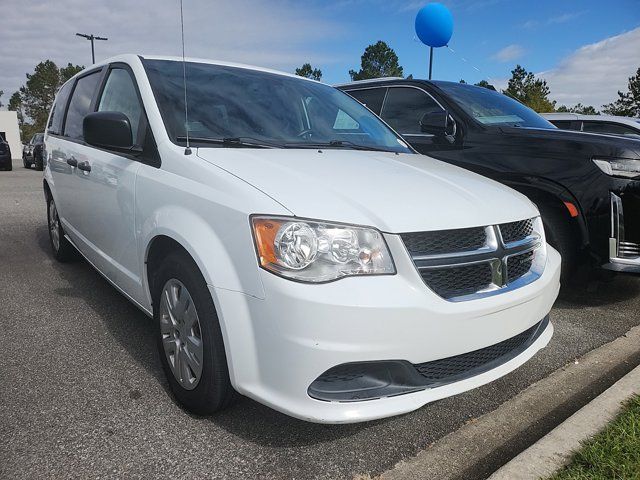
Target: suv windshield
{"type": "Point", "coordinates": [232, 106]}
{"type": "Point", "coordinates": [492, 108]}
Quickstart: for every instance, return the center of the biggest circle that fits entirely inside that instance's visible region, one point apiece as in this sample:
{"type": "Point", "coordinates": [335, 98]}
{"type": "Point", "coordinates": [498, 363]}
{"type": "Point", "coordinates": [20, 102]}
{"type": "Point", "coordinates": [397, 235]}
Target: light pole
{"type": "Point", "coordinates": [91, 37]}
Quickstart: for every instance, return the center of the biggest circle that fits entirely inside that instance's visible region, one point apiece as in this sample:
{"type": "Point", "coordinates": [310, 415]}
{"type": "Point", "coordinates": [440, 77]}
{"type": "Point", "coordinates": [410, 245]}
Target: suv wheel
{"type": "Point", "coordinates": [38, 162]}
{"type": "Point", "coordinates": [560, 236]}
{"type": "Point", "coordinates": [189, 337]}
{"type": "Point", "coordinates": [25, 163]}
{"type": "Point", "coordinates": [63, 251]}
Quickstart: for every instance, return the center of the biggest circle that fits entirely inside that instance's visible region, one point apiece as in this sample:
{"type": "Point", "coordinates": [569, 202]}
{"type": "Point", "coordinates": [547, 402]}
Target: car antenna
{"type": "Point", "coordinates": [187, 150]}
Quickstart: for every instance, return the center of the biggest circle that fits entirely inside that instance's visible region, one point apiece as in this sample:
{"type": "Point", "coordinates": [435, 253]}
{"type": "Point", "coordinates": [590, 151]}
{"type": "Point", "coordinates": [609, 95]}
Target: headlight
{"type": "Point", "coordinates": [619, 167]}
{"type": "Point", "coordinates": [315, 251]}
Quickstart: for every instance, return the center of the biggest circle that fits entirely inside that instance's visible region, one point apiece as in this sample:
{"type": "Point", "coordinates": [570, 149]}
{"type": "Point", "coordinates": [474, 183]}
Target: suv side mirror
{"type": "Point", "coordinates": [439, 122]}
{"type": "Point", "coordinates": [108, 130]}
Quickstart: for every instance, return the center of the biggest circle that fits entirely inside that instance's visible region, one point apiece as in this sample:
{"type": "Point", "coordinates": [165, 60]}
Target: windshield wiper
{"type": "Point", "coordinates": [338, 144]}
{"type": "Point", "coordinates": [248, 142]}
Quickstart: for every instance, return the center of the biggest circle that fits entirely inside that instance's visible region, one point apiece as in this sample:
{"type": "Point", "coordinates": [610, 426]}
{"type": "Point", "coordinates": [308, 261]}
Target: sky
{"type": "Point", "coordinates": [586, 49]}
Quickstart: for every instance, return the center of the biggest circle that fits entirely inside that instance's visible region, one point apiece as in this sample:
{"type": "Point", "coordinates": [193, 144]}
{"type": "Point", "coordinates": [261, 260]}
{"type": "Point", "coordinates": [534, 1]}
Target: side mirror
{"type": "Point", "coordinates": [108, 130]}
{"type": "Point", "coordinates": [439, 123]}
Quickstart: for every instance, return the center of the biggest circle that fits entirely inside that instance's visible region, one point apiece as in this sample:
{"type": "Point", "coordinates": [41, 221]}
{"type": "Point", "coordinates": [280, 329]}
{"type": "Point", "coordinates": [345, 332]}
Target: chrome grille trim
{"type": "Point", "coordinates": [495, 253]}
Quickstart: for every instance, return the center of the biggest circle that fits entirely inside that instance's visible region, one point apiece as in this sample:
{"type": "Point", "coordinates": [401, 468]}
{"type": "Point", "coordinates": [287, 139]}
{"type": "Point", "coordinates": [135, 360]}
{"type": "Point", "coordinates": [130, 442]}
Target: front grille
{"type": "Point", "coordinates": [445, 241]}
{"type": "Point", "coordinates": [516, 231]}
{"type": "Point", "coordinates": [466, 263]}
{"type": "Point", "coordinates": [458, 281]}
{"type": "Point", "coordinates": [447, 369]}
{"type": "Point", "coordinates": [629, 249]}
{"type": "Point", "coordinates": [519, 265]}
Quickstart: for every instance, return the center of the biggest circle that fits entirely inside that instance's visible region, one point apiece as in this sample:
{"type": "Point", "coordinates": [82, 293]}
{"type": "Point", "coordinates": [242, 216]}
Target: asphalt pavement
{"type": "Point", "coordinates": [82, 393]}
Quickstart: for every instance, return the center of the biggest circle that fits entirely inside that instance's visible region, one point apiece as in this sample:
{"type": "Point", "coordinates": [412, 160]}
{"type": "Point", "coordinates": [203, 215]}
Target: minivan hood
{"type": "Point", "coordinates": [393, 192]}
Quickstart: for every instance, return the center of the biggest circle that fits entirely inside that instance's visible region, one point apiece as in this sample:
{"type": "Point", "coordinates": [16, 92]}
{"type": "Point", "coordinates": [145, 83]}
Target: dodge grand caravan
{"type": "Point", "coordinates": [289, 245]}
{"type": "Point", "coordinates": [586, 186]}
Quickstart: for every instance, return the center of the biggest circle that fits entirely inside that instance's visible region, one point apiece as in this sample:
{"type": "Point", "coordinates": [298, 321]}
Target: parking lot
{"type": "Point", "coordinates": [83, 394]}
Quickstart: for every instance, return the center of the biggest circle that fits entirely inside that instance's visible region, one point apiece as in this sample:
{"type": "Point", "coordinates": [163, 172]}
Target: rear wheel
{"type": "Point", "coordinates": [189, 338]}
{"type": "Point", "coordinates": [63, 251]}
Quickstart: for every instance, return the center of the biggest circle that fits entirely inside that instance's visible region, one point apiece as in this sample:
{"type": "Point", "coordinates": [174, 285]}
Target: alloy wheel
{"type": "Point", "coordinates": [54, 225]}
{"type": "Point", "coordinates": [181, 334]}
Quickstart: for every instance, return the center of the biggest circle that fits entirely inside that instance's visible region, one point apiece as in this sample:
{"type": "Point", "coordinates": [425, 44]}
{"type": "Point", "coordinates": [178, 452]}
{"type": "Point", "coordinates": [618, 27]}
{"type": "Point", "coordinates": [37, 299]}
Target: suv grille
{"type": "Point", "coordinates": [445, 241]}
{"type": "Point", "coordinates": [516, 231]}
{"type": "Point", "coordinates": [466, 263]}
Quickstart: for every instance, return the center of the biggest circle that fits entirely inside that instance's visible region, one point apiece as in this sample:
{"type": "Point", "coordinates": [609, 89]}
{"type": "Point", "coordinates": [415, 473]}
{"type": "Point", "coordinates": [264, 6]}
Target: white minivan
{"type": "Point", "coordinates": [289, 245]}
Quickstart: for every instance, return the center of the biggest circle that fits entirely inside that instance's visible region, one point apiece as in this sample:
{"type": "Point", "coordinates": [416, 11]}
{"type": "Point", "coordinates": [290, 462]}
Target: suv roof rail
{"type": "Point", "coordinates": [369, 80]}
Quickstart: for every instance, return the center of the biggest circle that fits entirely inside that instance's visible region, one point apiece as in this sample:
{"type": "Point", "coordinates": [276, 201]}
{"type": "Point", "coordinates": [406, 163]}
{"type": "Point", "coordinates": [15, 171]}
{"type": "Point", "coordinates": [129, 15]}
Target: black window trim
{"type": "Point", "coordinates": [384, 102]}
{"type": "Point", "coordinates": [152, 158]}
{"type": "Point", "coordinates": [608, 122]}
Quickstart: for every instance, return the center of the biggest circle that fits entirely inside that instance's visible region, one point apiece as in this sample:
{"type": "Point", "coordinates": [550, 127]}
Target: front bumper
{"type": "Point", "coordinates": [624, 241]}
{"type": "Point", "coordinates": [278, 346]}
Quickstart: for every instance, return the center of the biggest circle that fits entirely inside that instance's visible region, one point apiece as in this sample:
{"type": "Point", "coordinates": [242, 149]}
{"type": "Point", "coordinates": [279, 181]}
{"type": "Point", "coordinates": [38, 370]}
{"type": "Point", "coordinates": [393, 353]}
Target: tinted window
{"type": "Point", "coordinates": [563, 124]}
{"type": "Point", "coordinates": [609, 128]}
{"type": "Point", "coordinates": [119, 95]}
{"type": "Point", "coordinates": [404, 107]}
{"type": "Point", "coordinates": [80, 104]}
{"type": "Point", "coordinates": [371, 97]}
{"type": "Point", "coordinates": [492, 108]}
{"type": "Point", "coordinates": [57, 114]}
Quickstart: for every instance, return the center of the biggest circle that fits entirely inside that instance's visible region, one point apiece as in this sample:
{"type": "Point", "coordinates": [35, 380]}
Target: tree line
{"type": "Point", "coordinates": [380, 60]}
{"type": "Point", "coordinates": [34, 99]}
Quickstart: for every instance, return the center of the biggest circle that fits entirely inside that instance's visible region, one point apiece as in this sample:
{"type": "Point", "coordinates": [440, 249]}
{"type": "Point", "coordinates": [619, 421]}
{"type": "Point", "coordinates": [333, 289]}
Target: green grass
{"type": "Point", "coordinates": [613, 454]}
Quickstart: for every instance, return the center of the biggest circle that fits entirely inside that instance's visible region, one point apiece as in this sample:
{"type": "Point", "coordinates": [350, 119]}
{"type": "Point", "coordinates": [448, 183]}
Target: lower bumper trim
{"type": "Point", "coordinates": [371, 380]}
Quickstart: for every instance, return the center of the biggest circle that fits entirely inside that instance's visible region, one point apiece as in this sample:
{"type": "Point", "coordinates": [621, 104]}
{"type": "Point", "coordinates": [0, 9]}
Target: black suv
{"type": "Point", "coordinates": [32, 153]}
{"type": "Point", "coordinates": [586, 186]}
{"type": "Point", "coordinates": [5, 154]}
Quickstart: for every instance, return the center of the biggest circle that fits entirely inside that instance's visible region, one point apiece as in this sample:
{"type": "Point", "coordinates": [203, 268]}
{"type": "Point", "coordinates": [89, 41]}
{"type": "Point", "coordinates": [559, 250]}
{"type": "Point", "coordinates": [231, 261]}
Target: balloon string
{"type": "Point", "coordinates": [465, 61]}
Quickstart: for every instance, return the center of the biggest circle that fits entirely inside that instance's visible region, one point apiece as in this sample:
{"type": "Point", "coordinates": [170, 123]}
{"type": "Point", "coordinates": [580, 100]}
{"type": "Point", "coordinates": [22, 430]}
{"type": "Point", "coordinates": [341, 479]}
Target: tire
{"type": "Point", "coordinates": [180, 289]}
{"type": "Point", "coordinates": [63, 251]}
{"type": "Point", "coordinates": [38, 163]}
{"type": "Point", "coordinates": [560, 233]}
{"type": "Point", "coordinates": [25, 163]}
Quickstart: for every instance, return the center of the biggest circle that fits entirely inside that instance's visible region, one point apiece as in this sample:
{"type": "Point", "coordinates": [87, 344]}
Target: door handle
{"type": "Point", "coordinates": [84, 166]}
{"type": "Point", "coordinates": [72, 161]}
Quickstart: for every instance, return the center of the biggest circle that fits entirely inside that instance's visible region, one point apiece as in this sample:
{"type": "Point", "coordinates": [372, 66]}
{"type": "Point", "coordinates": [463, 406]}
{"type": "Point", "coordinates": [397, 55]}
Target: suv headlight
{"type": "Point", "coordinates": [619, 167]}
{"type": "Point", "coordinates": [316, 251]}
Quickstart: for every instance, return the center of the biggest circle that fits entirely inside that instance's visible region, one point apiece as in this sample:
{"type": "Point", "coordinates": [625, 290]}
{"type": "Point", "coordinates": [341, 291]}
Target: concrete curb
{"type": "Point", "coordinates": [479, 448]}
{"type": "Point", "coordinates": [554, 451]}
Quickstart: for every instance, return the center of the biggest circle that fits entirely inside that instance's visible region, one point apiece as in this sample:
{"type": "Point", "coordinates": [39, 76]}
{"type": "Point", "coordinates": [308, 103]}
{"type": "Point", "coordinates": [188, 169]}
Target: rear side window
{"type": "Point", "coordinates": [371, 97]}
{"type": "Point", "coordinates": [57, 114]}
{"type": "Point", "coordinates": [120, 95]}
{"type": "Point", "coordinates": [404, 107]}
{"type": "Point", "coordinates": [563, 124]}
{"type": "Point", "coordinates": [80, 105]}
{"type": "Point", "coordinates": [609, 128]}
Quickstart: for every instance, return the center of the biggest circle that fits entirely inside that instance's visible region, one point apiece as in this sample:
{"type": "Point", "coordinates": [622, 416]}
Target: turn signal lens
{"type": "Point", "coordinates": [315, 251]}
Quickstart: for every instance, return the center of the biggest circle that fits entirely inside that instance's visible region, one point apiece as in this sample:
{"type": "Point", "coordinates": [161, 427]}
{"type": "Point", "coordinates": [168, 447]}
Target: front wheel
{"type": "Point", "coordinates": [63, 251]}
{"type": "Point", "coordinates": [189, 337]}
{"type": "Point", "coordinates": [39, 162]}
{"type": "Point", "coordinates": [25, 163]}
{"type": "Point", "coordinates": [559, 230]}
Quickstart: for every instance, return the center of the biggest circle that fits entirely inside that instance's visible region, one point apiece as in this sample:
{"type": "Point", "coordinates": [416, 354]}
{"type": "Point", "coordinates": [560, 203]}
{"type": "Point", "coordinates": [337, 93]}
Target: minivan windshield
{"type": "Point", "coordinates": [492, 108]}
{"type": "Point", "coordinates": [233, 106]}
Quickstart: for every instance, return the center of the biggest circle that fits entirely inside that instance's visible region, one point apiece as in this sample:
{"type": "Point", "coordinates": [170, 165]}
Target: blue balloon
{"type": "Point", "coordinates": [434, 25]}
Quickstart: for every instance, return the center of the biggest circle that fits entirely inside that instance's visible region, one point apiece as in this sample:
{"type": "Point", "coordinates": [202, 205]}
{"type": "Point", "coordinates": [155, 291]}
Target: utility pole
{"type": "Point", "coordinates": [91, 37]}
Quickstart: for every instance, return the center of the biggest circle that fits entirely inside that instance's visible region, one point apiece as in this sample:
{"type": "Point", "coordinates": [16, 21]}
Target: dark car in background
{"type": "Point", "coordinates": [586, 186]}
{"type": "Point", "coordinates": [5, 155]}
{"type": "Point", "coordinates": [33, 152]}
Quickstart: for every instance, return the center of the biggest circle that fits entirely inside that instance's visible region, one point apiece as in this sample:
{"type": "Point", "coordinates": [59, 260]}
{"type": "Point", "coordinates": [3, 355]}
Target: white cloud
{"type": "Point", "coordinates": [593, 74]}
{"type": "Point", "coordinates": [278, 34]}
{"type": "Point", "coordinates": [556, 20]}
{"type": "Point", "coordinates": [509, 53]}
